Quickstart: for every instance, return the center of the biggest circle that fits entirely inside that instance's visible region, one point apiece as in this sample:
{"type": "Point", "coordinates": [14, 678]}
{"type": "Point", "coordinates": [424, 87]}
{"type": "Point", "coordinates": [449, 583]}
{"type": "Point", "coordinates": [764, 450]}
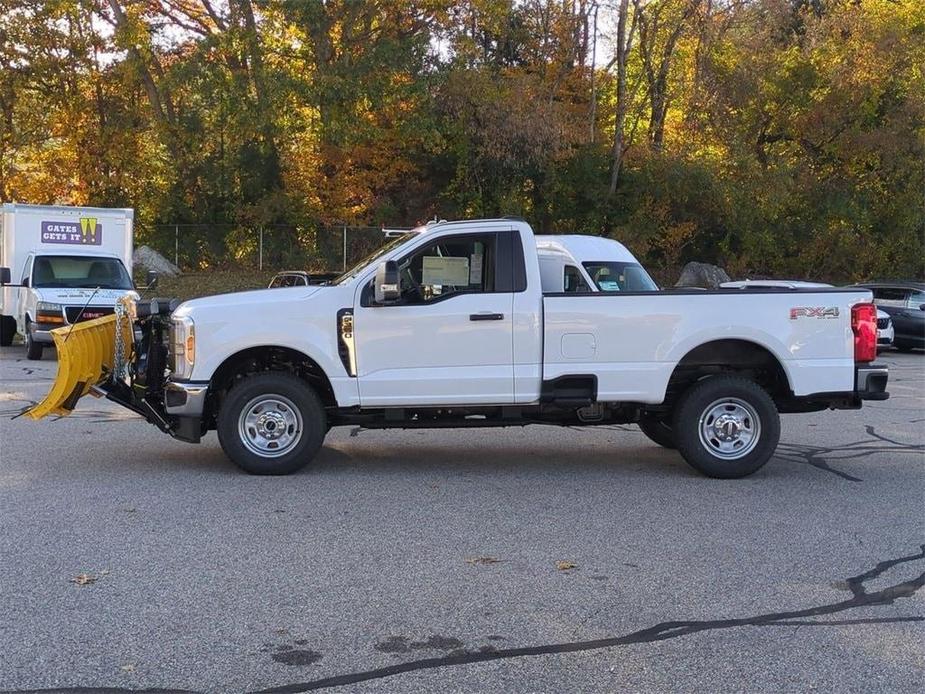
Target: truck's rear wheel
{"type": "Point", "coordinates": [658, 430]}
{"type": "Point", "coordinates": [7, 330]}
{"type": "Point", "coordinates": [33, 349]}
{"type": "Point", "coordinates": [726, 426]}
{"type": "Point", "coordinates": [271, 424]}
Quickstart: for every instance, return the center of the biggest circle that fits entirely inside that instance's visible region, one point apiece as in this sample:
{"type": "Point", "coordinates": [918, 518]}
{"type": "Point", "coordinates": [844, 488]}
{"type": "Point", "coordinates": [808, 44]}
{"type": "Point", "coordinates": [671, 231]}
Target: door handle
{"type": "Point", "coordinates": [486, 316]}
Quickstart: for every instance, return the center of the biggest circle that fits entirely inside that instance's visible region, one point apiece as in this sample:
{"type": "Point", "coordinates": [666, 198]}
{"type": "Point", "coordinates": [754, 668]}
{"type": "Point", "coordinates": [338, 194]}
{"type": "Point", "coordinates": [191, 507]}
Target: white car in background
{"type": "Point", "coordinates": [885, 332]}
{"type": "Point", "coordinates": [574, 263]}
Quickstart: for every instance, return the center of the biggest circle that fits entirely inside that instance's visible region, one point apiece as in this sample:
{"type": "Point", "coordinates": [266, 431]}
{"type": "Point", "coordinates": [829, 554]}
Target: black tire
{"type": "Point", "coordinates": [297, 408]}
{"type": "Point", "coordinates": [748, 408]}
{"type": "Point", "coordinates": [7, 330]}
{"type": "Point", "coordinates": [658, 430]}
{"type": "Point", "coordinates": [34, 349]}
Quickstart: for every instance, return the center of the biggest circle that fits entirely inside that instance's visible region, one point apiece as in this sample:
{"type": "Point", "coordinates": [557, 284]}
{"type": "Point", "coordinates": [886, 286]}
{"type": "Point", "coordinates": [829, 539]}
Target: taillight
{"type": "Point", "coordinates": [864, 327]}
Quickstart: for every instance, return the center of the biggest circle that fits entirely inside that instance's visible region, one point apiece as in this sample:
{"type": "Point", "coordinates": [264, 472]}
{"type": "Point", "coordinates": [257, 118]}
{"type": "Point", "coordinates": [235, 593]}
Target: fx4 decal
{"type": "Point", "coordinates": [814, 312]}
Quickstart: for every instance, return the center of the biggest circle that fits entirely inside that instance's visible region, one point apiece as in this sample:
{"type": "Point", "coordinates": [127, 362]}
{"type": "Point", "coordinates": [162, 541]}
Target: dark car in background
{"type": "Point", "coordinates": [905, 302]}
{"type": "Point", "coordinates": [300, 278]}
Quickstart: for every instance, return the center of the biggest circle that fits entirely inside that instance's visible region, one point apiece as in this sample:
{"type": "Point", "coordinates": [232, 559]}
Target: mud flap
{"type": "Point", "coordinates": [86, 358]}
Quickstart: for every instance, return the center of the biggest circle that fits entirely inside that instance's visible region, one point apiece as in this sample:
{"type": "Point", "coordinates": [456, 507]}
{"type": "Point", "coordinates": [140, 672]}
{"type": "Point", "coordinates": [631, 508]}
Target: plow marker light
{"type": "Point", "coordinates": [86, 357]}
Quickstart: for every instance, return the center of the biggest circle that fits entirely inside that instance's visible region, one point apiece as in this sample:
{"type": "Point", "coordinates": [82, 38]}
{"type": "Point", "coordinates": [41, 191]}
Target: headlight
{"type": "Point", "coordinates": [182, 347]}
{"type": "Point", "coordinates": [48, 312]}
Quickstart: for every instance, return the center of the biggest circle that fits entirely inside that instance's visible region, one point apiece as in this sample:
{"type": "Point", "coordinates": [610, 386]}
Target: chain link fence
{"type": "Point", "coordinates": [199, 247]}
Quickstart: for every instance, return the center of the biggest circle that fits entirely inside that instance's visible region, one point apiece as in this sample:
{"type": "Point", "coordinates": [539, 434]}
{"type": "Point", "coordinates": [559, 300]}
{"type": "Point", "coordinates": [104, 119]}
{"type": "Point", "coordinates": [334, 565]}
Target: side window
{"type": "Point", "coordinates": [916, 299]}
{"type": "Point", "coordinates": [894, 297]}
{"type": "Point", "coordinates": [448, 266]}
{"type": "Point", "coordinates": [276, 282]}
{"type": "Point", "coordinates": [27, 270]}
{"type": "Point", "coordinates": [573, 281]}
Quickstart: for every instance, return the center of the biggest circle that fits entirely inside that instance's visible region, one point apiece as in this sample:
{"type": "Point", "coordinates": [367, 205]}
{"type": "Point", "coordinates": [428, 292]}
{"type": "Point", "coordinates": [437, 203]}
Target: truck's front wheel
{"type": "Point", "coordinates": [271, 424]}
{"type": "Point", "coordinates": [34, 349]}
{"type": "Point", "coordinates": [726, 426]}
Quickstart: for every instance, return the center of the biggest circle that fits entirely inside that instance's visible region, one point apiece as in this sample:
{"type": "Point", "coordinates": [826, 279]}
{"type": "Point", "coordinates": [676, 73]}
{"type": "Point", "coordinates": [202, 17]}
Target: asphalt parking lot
{"type": "Point", "coordinates": [424, 561]}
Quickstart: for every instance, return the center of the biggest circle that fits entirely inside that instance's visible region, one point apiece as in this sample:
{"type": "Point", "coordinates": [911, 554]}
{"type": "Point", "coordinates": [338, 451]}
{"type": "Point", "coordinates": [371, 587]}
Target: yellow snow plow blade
{"type": "Point", "coordinates": [86, 357]}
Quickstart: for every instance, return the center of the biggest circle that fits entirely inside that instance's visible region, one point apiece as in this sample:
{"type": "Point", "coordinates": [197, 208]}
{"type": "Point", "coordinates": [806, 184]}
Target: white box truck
{"type": "Point", "coordinates": [66, 265]}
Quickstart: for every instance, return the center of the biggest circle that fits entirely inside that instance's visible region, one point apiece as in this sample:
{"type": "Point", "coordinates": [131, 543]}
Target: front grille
{"type": "Point", "coordinates": [89, 313]}
{"type": "Point", "coordinates": [883, 323]}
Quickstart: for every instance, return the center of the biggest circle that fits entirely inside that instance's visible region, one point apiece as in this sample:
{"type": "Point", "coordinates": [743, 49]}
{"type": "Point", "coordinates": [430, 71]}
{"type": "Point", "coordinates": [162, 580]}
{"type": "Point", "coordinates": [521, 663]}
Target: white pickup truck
{"type": "Point", "coordinates": [449, 326]}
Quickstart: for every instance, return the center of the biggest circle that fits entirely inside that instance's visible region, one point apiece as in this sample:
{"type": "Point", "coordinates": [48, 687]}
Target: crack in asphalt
{"type": "Point", "coordinates": [821, 457]}
{"type": "Point", "coordinates": [660, 632]}
{"type": "Point", "coordinates": [860, 597]}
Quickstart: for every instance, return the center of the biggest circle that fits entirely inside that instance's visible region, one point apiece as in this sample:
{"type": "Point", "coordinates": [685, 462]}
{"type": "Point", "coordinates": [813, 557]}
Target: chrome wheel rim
{"type": "Point", "coordinates": [270, 426]}
{"type": "Point", "coordinates": [729, 428]}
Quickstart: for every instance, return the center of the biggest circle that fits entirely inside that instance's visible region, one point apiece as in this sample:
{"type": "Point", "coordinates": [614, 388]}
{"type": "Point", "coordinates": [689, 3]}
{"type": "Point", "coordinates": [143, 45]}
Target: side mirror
{"type": "Point", "coordinates": [921, 307]}
{"type": "Point", "coordinates": [151, 279]}
{"type": "Point", "coordinates": [5, 275]}
{"type": "Point", "coordinates": [387, 283]}
{"type": "Point", "coordinates": [25, 281]}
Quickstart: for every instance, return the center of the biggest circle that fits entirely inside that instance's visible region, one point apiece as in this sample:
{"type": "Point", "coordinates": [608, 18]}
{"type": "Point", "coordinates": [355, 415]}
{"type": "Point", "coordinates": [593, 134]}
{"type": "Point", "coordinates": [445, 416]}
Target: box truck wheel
{"type": "Point", "coordinates": [7, 330]}
{"type": "Point", "coordinates": [271, 424]}
{"type": "Point", "coordinates": [33, 349]}
{"type": "Point", "coordinates": [726, 426]}
{"type": "Point", "coordinates": [658, 430]}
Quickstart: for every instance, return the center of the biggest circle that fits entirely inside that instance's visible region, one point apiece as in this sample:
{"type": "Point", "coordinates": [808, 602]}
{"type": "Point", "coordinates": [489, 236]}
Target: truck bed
{"type": "Point", "coordinates": [633, 341]}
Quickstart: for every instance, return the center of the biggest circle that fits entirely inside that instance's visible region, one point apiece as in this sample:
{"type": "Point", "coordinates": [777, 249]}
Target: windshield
{"type": "Point", "coordinates": [620, 277]}
{"type": "Point", "coordinates": [372, 257]}
{"type": "Point", "coordinates": [73, 271]}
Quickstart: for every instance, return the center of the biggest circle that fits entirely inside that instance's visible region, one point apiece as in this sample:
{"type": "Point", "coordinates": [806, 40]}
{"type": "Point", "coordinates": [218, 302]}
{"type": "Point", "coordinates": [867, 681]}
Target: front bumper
{"type": "Point", "coordinates": [41, 332]}
{"type": "Point", "coordinates": [885, 336]}
{"type": "Point", "coordinates": [185, 399]}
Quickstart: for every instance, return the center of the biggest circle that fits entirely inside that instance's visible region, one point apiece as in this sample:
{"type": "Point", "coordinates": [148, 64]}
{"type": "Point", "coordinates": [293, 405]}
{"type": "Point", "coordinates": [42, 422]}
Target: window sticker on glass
{"type": "Point", "coordinates": [451, 271]}
{"type": "Point", "coordinates": [475, 268]}
{"type": "Point", "coordinates": [609, 285]}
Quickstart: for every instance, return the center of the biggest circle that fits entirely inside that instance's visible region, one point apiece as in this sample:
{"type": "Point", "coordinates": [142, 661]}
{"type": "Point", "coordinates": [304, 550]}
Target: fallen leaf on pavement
{"type": "Point", "coordinates": [83, 579]}
{"type": "Point", "coordinates": [129, 667]}
{"type": "Point", "coordinates": [566, 565]}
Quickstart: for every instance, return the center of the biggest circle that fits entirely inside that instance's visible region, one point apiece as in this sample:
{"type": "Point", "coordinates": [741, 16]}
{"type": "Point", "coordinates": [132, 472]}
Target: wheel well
{"type": "Point", "coordinates": [730, 356]}
{"type": "Point", "coordinates": [268, 358]}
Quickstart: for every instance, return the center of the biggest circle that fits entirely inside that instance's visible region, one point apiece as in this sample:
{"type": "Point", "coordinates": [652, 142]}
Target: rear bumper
{"type": "Point", "coordinates": [870, 381]}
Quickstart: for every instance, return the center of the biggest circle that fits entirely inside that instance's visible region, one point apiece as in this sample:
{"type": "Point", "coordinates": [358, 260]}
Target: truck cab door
{"type": "Point", "coordinates": [449, 339]}
{"type": "Point", "coordinates": [24, 293]}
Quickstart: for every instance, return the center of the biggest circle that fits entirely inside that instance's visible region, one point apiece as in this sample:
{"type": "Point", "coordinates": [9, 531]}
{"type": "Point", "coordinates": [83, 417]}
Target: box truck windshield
{"type": "Point", "coordinates": [67, 271]}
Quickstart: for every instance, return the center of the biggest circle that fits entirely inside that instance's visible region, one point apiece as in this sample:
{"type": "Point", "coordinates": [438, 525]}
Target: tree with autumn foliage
{"type": "Point", "coordinates": [775, 137]}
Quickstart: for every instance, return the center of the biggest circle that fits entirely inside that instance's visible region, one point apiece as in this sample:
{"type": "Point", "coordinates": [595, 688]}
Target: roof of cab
{"type": "Point", "coordinates": [586, 248]}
